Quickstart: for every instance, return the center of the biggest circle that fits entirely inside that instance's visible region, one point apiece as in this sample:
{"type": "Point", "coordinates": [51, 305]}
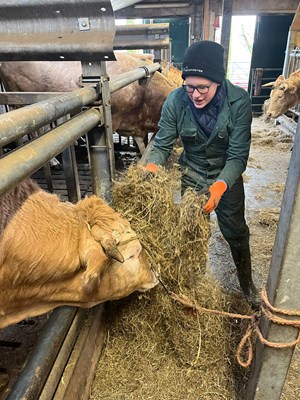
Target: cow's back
{"type": "Point", "coordinates": [41, 76]}
{"type": "Point", "coordinates": [12, 201]}
{"type": "Point", "coordinates": [135, 108]}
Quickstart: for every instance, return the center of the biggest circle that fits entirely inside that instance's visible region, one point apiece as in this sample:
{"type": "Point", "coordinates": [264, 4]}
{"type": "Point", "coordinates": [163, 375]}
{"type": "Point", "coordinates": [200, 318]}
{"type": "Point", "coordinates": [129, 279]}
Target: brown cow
{"type": "Point", "coordinates": [54, 253]}
{"type": "Point", "coordinates": [172, 73]}
{"type": "Point", "coordinates": [131, 112]}
{"type": "Point", "coordinates": [284, 95]}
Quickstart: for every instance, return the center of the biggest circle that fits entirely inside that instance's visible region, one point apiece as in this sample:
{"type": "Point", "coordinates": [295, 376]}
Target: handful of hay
{"type": "Point", "coordinates": [156, 349]}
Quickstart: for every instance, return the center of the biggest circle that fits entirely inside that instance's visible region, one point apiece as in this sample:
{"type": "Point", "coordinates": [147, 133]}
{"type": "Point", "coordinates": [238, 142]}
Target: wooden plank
{"type": "Point", "coordinates": [79, 373]}
{"type": "Point", "coordinates": [226, 27]}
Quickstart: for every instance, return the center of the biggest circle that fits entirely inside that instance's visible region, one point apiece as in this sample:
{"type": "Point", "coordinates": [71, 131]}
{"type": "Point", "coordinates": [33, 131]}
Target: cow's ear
{"type": "Point", "coordinates": [293, 89]}
{"type": "Point", "coordinates": [279, 80]}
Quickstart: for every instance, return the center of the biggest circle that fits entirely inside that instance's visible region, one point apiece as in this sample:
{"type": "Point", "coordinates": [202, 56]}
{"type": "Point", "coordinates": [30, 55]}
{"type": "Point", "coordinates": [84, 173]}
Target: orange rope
{"type": "Point", "coordinates": [265, 299]}
{"type": "Point", "coordinates": [253, 327]}
{"type": "Point", "coordinates": [184, 300]}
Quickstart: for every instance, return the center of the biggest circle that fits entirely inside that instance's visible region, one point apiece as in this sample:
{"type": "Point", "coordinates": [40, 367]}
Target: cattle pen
{"type": "Point", "coordinates": [69, 334]}
{"type": "Point", "coordinates": [65, 345]}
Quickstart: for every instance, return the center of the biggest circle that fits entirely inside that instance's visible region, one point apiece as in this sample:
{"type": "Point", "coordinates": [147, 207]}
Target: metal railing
{"type": "Point", "coordinates": [20, 164]}
{"type": "Point", "coordinates": [259, 94]}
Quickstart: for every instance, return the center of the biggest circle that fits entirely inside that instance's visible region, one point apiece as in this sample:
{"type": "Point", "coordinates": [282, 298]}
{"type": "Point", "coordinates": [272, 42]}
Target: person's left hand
{"type": "Point", "coordinates": [216, 191]}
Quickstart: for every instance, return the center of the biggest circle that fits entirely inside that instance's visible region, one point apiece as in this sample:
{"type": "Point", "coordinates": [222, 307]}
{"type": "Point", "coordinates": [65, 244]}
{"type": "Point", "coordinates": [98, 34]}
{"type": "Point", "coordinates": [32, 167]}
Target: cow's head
{"type": "Point", "coordinates": [73, 267]}
{"type": "Point", "coordinates": [282, 97]}
{"type": "Point", "coordinates": [134, 274]}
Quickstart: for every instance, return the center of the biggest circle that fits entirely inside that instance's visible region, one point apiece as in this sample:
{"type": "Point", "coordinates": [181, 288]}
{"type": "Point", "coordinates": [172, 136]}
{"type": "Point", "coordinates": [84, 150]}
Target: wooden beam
{"type": "Point", "coordinates": [196, 32]}
{"type": "Point", "coordinates": [79, 373]}
{"type": "Point", "coordinates": [226, 27]}
{"type": "Point", "coordinates": [206, 23]}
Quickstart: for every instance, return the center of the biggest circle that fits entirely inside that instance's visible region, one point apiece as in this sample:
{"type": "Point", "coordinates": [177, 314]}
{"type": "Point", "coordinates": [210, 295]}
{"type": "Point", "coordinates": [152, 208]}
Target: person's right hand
{"type": "Point", "coordinates": [153, 168]}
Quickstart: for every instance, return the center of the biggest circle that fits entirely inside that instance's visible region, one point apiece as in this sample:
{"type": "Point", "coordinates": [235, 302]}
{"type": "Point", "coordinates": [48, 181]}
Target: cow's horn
{"type": "Point", "coordinates": [268, 84]}
{"type": "Point", "coordinates": [111, 250]}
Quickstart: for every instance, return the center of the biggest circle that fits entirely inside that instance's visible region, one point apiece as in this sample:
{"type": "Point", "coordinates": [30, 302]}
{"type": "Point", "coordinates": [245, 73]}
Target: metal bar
{"type": "Point", "coordinates": [63, 356]}
{"type": "Point", "coordinates": [38, 366]}
{"type": "Point", "coordinates": [108, 124]}
{"type": "Point", "coordinates": [141, 28]}
{"type": "Point", "coordinates": [144, 36]}
{"type": "Point", "coordinates": [20, 122]}
{"type": "Point", "coordinates": [288, 123]}
{"type": "Point", "coordinates": [55, 30]}
{"type": "Point", "coordinates": [70, 168]}
{"type": "Point", "coordinates": [21, 98]}
{"type": "Point", "coordinates": [26, 98]}
{"type": "Point", "coordinates": [271, 364]}
{"type": "Point", "coordinates": [124, 43]}
{"type": "Point", "coordinates": [26, 160]}
{"type": "Point", "coordinates": [71, 173]}
{"type": "Point", "coordinates": [101, 156]}
{"type": "Point", "coordinates": [100, 168]}
{"type": "Point", "coordinates": [125, 79]}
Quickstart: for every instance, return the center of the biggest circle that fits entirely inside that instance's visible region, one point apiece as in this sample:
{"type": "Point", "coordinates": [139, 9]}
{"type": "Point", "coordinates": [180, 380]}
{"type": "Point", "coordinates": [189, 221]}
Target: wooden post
{"type": "Point", "coordinates": [271, 365]}
{"type": "Point", "coordinates": [226, 26]}
{"type": "Point", "coordinates": [196, 32]}
{"type": "Point", "coordinates": [206, 23]}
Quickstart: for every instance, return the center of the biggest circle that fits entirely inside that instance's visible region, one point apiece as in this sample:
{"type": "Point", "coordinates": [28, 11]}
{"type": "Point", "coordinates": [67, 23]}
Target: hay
{"type": "Point", "coordinates": [156, 349]}
{"type": "Point", "coordinates": [269, 217]}
{"type": "Point", "coordinates": [264, 133]}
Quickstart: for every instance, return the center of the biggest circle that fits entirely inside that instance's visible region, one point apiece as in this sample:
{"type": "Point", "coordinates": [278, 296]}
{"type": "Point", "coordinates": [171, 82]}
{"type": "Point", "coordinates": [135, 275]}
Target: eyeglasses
{"type": "Point", "coordinates": [201, 89]}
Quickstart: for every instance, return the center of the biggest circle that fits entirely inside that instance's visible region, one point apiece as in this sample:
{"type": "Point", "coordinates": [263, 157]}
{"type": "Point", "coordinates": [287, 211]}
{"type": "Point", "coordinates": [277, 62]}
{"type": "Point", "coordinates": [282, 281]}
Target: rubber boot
{"type": "Point", "coordinates": [242, 259]}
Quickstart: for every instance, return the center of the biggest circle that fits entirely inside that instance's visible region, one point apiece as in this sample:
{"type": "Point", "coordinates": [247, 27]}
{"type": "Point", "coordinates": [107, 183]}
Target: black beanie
{"type": "Point", "coordinates": [205, 58]}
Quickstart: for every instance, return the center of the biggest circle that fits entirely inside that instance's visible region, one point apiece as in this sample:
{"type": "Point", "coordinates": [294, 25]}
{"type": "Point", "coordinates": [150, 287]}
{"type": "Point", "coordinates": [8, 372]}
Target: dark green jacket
{"type": "Point", "coordinates": [223, 155]}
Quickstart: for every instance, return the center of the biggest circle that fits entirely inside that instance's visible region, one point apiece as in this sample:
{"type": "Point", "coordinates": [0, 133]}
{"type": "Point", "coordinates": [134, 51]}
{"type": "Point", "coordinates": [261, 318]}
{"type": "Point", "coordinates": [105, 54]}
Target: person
{"type": "Point", "coordinates": [213, 119]}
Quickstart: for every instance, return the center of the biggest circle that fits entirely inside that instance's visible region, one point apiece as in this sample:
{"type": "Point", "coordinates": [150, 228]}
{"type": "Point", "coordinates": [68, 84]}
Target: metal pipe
{"type": "Point", "coordinates": [141, 29]}
{"type": "Point", "coordinates": [125, 43]}
{"type": "Point", "coordinates": [34, 375]}
{"type": "Point", "coordinates": [63, 356]}
{"type": "Point", "coordinates": [100, 168]}
{"type": "Point", "coordinates": [122, 80]}
{"type": "Point", "coordinates": [24, 161]}
{"type": "Point", "coordinates": [20, 122]}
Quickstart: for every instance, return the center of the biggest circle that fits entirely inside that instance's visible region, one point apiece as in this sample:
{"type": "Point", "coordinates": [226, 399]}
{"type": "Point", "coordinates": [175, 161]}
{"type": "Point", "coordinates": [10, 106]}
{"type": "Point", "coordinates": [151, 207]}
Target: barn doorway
{"type": "Point", "coordinates": [270, 40]}
{"type": "Point", "coordinates": [240, 49]}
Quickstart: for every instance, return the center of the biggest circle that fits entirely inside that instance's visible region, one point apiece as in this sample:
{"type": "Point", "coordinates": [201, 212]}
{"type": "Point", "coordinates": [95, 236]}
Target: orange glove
{"type": "Point", "coordinates": [151, 168]}
{"type": "Point", "coordinates": [216, 191]}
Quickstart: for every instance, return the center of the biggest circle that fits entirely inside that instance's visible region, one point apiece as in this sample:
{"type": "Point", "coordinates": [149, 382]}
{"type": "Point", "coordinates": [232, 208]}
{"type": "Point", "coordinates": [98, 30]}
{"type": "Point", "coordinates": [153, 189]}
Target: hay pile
{"type": "Point", "coordinates": [157, 349]}
{"type": "Point", "coordinates": [264, 133]}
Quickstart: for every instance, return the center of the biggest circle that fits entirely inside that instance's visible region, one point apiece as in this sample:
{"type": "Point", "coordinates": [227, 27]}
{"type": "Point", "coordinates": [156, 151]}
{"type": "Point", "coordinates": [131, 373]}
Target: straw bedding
{"type": "Point", "coordinates": [156, 348]}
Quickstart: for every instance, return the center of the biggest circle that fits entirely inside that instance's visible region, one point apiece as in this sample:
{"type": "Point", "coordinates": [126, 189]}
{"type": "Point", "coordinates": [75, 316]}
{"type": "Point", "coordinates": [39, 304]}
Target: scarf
{"type": "Point", "coordinates": [207, 117]}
